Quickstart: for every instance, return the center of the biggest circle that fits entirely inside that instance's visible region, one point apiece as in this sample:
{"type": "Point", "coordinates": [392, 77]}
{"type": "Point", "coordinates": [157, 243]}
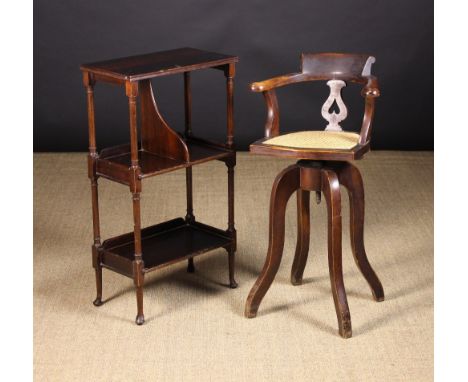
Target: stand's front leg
{"type": "Point", "coordinates": [135, 188]}
{"type": "Point", "coordinates": [97, 243]}
{"type": "Point", "coordinates": [285, 184]}
{"type": "Point", "coordinates": [88, 81]}
{"type": "Point", "coordinates": [138, 265]}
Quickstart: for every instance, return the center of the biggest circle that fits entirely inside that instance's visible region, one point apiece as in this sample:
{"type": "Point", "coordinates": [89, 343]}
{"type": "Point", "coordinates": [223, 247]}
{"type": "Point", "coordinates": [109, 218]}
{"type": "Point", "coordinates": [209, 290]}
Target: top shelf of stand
{"type": "Point", "coordinates": [141, 67]}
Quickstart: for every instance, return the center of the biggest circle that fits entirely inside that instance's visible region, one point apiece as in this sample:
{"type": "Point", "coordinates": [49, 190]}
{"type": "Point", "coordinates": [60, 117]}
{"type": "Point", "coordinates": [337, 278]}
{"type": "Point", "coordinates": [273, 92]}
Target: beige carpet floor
{"type": "Point", "coordinates": [195, 329]}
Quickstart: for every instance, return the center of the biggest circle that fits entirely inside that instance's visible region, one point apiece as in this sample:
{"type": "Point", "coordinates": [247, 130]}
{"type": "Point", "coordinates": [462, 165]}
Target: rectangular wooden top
{"type": "Point", "coordinates": [135, 68]}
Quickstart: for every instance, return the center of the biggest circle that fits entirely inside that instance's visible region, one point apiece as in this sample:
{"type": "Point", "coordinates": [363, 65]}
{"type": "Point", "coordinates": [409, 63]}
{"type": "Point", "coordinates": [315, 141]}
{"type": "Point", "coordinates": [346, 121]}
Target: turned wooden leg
{"type": "Point", "coordinates": [231, 230]}
{"type": "Point", "coordinates": [138, 280]}
{"type": "Point", "coordinates": [350, 177]}
{"type": "Point", "coordinates": [331, 190]}
{"type": "Point", "coordinates": [303, 236]}
{"type": "Point", "coordinates": [138, 265]}
{"type": "Point", "coordinates": [231, 260]}
{"type": "Point", "coordinates": [285, 184]}
{"type": "Point", "coordinates": [189, 217]}
{"type": "Point", "coordinates": [98, 300]}
{"type": "Point", "coordinates": [97, 239]}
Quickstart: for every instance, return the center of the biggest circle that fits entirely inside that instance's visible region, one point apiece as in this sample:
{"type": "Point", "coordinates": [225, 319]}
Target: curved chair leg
{"type": "Point", "coordinates": [351, 178]}
{"type": "Point", "coordinates": [285, 184]}
{"type": "Point", "coordinates": [303, 236]}
{"type": "Point", "coordinates": [331, 190]}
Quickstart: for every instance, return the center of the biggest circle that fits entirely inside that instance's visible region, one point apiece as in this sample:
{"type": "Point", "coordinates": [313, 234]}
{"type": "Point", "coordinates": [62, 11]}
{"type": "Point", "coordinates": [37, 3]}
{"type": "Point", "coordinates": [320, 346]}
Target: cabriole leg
{"type": "Point", "coordinates": [350, 177]}
{"type": "Point", "coordinates": [285, 184]}
{"type": "Point", "coordinates": [331, 190]}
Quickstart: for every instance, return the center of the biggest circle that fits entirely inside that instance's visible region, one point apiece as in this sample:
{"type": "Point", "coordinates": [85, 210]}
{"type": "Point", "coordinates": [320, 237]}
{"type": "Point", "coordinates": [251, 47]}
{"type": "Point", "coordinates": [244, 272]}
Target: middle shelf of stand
{"type": "Point", "coordinates": [114, 163]}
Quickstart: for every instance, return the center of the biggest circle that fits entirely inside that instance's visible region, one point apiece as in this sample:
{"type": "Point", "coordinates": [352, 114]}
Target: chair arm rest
{"type": "Point", "coordinates": [272, 120]}
{"type": "Point", "coordinates": [371, 89]}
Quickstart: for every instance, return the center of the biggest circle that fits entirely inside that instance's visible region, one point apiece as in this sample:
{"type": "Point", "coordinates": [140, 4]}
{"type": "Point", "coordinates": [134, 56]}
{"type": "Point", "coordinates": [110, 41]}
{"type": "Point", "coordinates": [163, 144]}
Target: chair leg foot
{"type": "Point", "coordinates": [250, 311]}
{"type": "Point", "coordinates": [378, 298]}
{"type": "Point", "coordinates": [285, 184]}
{"type": "Point", "coordinates": [344, 326]}
{"type": "Point", "coordinates": [295, 281]}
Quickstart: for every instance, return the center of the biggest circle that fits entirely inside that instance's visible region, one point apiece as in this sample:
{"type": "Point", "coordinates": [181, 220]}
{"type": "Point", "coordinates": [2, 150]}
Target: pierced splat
{"type": "Point", "coordinates": [333, 118]}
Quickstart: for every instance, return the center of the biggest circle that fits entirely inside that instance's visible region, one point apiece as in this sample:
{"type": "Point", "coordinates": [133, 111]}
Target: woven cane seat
{"type": "Point", "coordinates": [327, 140]}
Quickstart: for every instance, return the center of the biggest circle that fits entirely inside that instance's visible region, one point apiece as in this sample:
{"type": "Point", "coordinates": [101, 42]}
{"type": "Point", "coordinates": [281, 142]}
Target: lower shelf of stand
{"type": "Point", "coordinates": [162, 244]}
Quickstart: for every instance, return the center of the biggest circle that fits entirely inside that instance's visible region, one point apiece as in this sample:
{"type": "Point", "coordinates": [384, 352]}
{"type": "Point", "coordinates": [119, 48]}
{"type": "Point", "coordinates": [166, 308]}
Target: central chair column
{"type": "Point", "coordinates": [303, 177]}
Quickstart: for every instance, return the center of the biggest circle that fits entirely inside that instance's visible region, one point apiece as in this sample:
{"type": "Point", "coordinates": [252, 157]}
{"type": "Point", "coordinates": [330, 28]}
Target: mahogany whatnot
{"type": "Point", "coordinates": [158, 150]}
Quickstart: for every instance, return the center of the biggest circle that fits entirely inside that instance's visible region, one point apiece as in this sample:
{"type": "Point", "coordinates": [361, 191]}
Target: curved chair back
{"type": "Point", "coordinates": [336, 68]}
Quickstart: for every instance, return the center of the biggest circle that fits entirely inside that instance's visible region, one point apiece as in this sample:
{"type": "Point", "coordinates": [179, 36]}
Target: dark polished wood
{"type": "Point", "coordinates": [115, 164]}
{"type": "Point", "coordinates": [320, 67]}
{"type": "Point", "coordinates": [304, 177]}
{"type": "Point", "coordinates": [164, 244]}
{"type": "Point", "coordinates": [160, 149]}
{"type": "Point", "coordinates": [145, 66]}
{"type": "Point", "coordinates": [303, 236]}
{"type": "Point", "coordinates": [350, 177]}
{"type": "Point", "coordinates": [331, 191]}
{"type": "Point", "coordinates": [297, 153]}
{"type": "Point", "coordinates": [285, 184]}
{"type": "Point", "coordinates": [321, 171]}
{"type": "Point", "coordinates": [156, 135]}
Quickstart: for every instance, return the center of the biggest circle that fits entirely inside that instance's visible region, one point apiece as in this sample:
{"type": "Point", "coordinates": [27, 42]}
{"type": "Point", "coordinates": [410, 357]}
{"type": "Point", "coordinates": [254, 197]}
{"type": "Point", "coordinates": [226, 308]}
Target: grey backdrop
{"type": "Point", "coordinates": [267, 35]}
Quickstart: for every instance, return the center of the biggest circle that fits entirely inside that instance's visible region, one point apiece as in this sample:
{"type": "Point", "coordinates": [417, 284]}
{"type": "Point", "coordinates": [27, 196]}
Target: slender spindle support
{"type": "Point", "coordinates": [188, 171]}
{"type": "Point", "coordinates": [135, 188]}
{"type": "Point", "coordinates": [88, 81]}
{"type": "Point", "coordinates": [229, 73]}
